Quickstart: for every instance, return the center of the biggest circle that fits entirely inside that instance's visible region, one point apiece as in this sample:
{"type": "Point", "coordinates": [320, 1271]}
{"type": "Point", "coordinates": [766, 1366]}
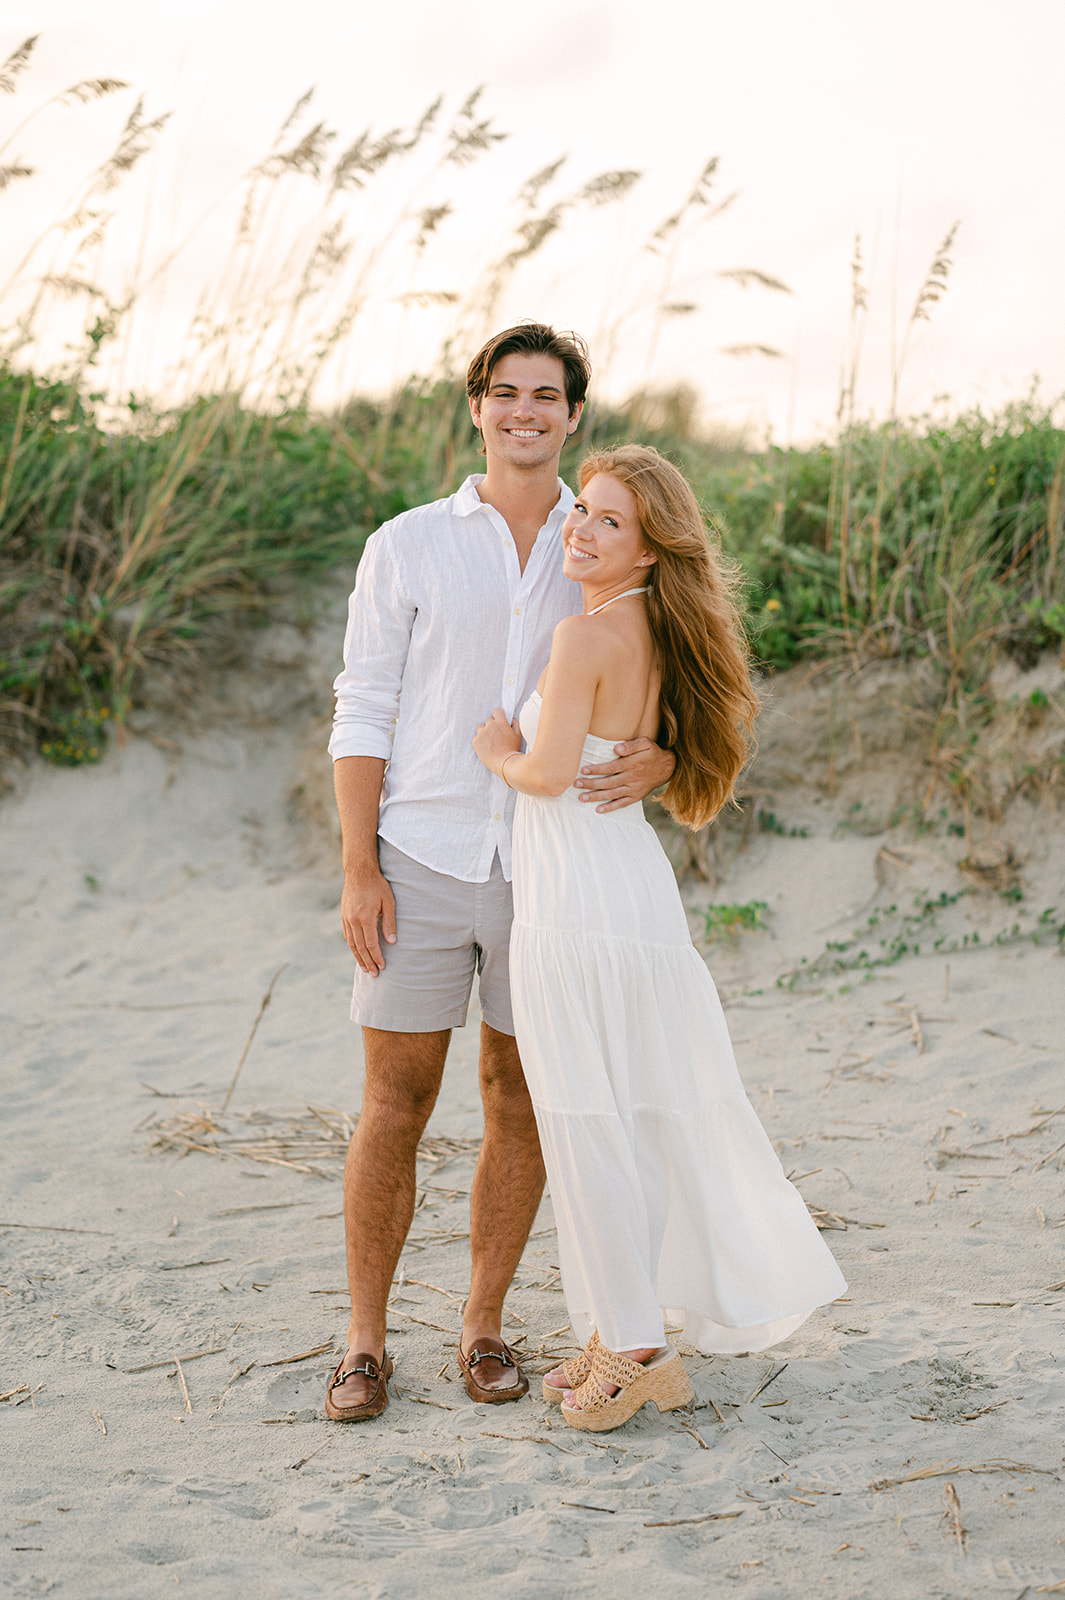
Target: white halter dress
{"type": "Point", "coordinates": [667, 1193]}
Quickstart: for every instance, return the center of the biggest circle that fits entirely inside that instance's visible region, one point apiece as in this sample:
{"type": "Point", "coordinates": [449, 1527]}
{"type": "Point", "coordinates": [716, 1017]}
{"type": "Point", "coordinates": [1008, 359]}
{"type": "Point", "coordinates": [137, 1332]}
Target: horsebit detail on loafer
{"type": "Point", "coordinates": [501, 1356]}
{"type": "Point", "coordinates": [368, 1371]}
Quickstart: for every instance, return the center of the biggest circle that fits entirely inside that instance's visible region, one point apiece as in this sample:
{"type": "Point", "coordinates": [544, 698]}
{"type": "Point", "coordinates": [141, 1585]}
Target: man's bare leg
{"type": "Point", "coordinates": [403, 1073]}
{"type": "Point", "coordinates": [507, 1187]}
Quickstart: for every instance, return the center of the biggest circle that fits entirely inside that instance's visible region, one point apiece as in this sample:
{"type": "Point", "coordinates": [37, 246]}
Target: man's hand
{"type": "Point", "coordinates": [641, 766]}
{"type": "Point", "coordinates": [368, 909]}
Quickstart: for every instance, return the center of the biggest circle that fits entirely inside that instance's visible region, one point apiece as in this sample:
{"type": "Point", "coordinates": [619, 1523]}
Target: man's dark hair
{"type": "Point", "coordinates": [533, 339]}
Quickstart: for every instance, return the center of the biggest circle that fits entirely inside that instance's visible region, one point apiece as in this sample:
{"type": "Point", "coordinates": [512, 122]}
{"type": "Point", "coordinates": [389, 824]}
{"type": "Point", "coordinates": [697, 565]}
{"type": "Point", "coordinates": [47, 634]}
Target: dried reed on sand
{"type": "Point", "coordinates": [313, 1141]}
{"type": "Point", "coordinates": [316, 1142]}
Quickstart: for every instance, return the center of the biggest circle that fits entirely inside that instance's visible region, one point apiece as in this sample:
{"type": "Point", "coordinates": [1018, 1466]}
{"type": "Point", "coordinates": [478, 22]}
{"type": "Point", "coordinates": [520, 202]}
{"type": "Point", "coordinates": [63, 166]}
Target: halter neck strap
{"type": "Point", "coordinates": [641, 590]}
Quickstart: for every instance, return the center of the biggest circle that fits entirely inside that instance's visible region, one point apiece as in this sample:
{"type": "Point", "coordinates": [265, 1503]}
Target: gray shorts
{"type": "Point", "coordinates": [445, 931]}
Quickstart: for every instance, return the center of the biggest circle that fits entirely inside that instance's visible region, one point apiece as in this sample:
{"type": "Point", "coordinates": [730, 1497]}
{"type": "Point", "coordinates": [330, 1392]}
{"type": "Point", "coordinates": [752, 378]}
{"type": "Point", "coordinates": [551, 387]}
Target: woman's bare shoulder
{"type": "Point", "coordinates": [580, 635]}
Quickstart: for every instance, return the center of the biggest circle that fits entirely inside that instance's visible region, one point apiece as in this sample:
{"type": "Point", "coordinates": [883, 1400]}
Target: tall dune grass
{"type": "Point", "coordinates": [124, 529]}
{"type": "Point", "coordinates": [957, 556]}
{"type": "Point", "coordinates": [116, 547]}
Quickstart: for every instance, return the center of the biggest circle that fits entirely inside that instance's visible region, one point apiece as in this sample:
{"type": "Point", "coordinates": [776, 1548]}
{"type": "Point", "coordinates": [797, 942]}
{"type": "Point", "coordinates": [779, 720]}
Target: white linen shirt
{"type": "Point", "coordinates": [442, 628]}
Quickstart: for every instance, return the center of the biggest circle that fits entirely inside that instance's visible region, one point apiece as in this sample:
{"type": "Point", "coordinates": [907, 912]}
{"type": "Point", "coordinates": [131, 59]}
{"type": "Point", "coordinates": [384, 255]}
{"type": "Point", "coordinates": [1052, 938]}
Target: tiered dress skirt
{"type": "Point", "coordinates": [669, 1199]}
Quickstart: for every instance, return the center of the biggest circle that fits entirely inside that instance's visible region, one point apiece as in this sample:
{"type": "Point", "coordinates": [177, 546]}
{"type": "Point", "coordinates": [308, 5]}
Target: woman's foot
{"type": "Point", "coordinates": [642, 1356]}
{"type": "Point", "coordinates": [618, 1386]}
{"type": "Point", "coordinates": [571, 1373]}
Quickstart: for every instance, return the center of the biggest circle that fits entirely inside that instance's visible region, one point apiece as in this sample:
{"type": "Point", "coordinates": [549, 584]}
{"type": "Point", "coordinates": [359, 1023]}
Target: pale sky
{"type": "Point", "coordinates": [830, 119]}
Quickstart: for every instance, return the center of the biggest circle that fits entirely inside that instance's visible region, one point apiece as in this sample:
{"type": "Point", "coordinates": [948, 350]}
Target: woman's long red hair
{"type": "Point", "coordinates": [708, 700]}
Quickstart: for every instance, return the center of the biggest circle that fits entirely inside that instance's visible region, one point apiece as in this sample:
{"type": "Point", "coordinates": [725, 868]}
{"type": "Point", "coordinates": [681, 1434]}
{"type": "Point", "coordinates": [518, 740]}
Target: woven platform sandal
{"type": "Point", "coordinates": [662, 1381]}
{"type": "Point", "coordinates": [576, 1368]}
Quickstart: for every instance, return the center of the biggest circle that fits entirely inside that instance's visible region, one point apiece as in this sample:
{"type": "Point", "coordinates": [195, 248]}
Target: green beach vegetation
{"type": "Point", "coordinates": [118, 545]}
{"type": "Point", "coordinates": [129, 530]}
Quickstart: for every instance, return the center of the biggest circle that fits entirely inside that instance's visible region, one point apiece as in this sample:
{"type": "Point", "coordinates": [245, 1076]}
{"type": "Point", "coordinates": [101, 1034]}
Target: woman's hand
{"type": "Point", "coordinates": [496, 739]}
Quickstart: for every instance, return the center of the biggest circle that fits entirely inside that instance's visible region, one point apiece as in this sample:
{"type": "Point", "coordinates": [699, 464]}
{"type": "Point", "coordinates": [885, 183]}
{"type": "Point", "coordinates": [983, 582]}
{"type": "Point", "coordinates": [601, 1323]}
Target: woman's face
{"type": "Point", "coordinates": [602, 537]}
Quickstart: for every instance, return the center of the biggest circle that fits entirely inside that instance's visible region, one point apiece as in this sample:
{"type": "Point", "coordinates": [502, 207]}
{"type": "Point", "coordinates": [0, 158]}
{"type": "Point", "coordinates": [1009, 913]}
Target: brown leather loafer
{"type": "Point", "coordinates": [366, 1394]}
{"type": "Point", "coordinates": [492, 1372]}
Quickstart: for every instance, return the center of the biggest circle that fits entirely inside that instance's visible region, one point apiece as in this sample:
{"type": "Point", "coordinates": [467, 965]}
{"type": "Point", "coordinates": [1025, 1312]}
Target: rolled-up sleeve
{"type": "Point", "coordinates": [380, 618]}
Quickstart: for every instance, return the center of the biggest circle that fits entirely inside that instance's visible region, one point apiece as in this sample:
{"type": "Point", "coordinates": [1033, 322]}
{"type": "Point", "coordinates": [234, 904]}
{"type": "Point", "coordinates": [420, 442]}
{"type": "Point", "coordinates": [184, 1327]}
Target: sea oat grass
{"type": "Point", "coordinates": [115, 546]}
{"type": "Point", "coordinates": [959, 557]}
{"type": "Point", "coordinates": [124, 528]}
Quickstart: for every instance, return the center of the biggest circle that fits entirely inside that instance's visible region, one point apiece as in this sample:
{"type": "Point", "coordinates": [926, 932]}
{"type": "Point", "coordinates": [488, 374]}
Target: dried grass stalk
{"type": "Point", "coordinates": [313, 1141]}
{"type": "Point", "coordinates": [943, 1469]}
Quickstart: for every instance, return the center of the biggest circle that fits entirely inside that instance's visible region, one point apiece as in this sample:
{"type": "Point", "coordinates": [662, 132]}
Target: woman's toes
{"type": "Point", "coordinates": [570, 1401]}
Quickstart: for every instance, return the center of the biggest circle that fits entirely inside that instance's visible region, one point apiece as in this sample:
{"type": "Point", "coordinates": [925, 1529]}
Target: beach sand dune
{"type": "Point", "coordinates": [168, 1320]}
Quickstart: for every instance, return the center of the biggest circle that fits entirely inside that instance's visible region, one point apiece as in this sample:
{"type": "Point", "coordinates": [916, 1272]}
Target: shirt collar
{"type": "Point", "coordinates": [466, 500]}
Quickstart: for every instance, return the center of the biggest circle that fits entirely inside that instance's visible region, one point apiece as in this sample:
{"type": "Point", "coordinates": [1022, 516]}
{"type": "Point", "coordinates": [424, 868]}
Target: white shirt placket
{"type": "Point", "coordinates": [518, 585]}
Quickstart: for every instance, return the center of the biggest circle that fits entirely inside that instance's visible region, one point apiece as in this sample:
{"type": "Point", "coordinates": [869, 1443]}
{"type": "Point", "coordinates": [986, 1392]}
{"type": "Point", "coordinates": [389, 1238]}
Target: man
{"type": "Point", "coordinates": [453, 612]}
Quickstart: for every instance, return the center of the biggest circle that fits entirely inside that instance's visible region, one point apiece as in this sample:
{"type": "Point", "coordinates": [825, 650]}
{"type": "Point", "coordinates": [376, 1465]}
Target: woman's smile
{"type": "Point", "coordinates": [603, 533]}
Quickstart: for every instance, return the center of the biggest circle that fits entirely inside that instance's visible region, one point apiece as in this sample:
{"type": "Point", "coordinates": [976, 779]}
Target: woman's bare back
{"type": "Point", "coordinates": [627, 696]}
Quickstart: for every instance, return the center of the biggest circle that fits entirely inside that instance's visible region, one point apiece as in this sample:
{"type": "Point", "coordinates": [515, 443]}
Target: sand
{"type": "Point", "coordinates": [168, 1321]}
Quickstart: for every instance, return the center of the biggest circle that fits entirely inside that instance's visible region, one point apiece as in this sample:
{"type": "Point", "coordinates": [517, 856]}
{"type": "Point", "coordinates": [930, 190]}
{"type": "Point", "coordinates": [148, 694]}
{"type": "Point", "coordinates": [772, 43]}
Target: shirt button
{"type": "Point", "coordinates": [517, 611]}
{"type": "Point", "coordinates": [510, 680]}
{"type": "Point", "coordinates": [497, 817]}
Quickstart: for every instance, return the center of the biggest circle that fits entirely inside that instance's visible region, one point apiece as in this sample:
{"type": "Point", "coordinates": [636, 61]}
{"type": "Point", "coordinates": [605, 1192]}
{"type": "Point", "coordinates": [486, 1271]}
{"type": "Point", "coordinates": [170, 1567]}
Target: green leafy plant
{"type": "Point", "coordinates": [889, 934]}
{"type": "Point", "coordinates": [727, 921]}
{"type": "Point", "coordinates": [769, 822]}
{"type": "Point", "coordinates": [79, 737]}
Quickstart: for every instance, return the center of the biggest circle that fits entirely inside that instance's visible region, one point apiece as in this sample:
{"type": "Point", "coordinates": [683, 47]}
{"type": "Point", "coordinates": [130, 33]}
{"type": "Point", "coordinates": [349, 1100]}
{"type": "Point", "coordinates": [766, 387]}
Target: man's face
{"type": "Point", "coordinates": [524, 416]}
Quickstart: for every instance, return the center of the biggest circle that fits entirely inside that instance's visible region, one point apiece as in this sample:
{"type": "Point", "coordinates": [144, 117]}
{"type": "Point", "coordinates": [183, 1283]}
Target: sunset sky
{"type": "Point", "coordinates": [830, 119]}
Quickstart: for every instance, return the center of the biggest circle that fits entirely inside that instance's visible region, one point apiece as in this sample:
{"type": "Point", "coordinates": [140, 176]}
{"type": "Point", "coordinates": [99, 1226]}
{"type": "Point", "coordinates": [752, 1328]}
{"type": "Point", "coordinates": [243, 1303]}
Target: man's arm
{"type": "Point", "coordinates": [367, 906]}
{"type": "Point", "coordinates": [380, 617]}
{"type": "Point", "coordinates": [640, 768]}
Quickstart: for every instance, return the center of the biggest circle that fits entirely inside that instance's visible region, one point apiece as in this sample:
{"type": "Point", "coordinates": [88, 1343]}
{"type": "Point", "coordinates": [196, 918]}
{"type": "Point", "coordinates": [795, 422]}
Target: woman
{"type": "Point", "coordinates": [667, 1193]}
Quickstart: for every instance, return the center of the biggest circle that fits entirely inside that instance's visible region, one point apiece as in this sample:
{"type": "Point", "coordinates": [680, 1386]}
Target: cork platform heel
{"type": "Point", "coordinates": [576, 1368]}
{"type": "Point", "coordinates": [662, 1381]}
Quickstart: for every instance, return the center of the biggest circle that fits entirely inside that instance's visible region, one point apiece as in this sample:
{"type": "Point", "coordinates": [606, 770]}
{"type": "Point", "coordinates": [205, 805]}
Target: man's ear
{"type": "Point", "coordinates": [475, 414]}
{"type": "Point", "coordinates": [575, 416]}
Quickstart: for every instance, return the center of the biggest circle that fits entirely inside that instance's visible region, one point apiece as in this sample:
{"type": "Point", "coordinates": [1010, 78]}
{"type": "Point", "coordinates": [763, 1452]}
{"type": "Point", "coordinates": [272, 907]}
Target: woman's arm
{"type": "Point", "coordinates": [573, 674]}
